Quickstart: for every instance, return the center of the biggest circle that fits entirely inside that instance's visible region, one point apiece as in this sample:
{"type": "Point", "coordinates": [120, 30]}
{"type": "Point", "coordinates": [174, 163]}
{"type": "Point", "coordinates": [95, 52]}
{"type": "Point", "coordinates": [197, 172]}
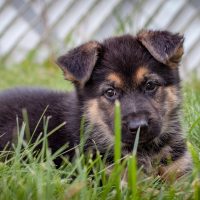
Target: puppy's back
{"type": "Point", "coordinates": [35, 101]}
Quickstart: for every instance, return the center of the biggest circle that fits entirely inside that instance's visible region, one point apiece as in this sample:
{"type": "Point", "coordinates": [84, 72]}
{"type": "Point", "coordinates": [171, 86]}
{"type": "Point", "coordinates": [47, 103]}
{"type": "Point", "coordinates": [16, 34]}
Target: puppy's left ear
{"type": "Point", "coordinates": [164, 46]}
{"type": "Point", "coordinates": [78, 63]}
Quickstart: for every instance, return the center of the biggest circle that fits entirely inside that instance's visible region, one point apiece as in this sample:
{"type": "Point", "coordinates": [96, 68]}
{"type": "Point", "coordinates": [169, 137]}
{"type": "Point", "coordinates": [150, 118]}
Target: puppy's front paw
{"type": "Point", "coordinates": [176, 169]}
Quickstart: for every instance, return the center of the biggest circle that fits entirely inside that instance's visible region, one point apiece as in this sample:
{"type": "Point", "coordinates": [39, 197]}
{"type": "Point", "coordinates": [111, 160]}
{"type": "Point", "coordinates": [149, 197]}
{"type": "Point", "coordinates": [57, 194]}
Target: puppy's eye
{"type": "Point", "coordinates": [150, 86]}
{"type": "Point", "coordinates": [111, 94]}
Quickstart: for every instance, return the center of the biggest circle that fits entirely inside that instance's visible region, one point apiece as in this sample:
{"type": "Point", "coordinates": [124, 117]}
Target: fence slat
{"type": "Point", "coordinates": [47, 25]}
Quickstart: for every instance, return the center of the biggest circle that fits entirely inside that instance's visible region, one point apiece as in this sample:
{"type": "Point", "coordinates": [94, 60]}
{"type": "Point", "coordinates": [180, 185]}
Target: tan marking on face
{"type": "Point", "coordinates": [176, 169]}
{"type": "Point", "coordinates": [106, 105]}
{"type": "Point", "coordinates": [116, 79]}
{"type": "Point", "coordinates": [94, 115]}
{"type": "Point", "coordinates": [139, 74]}
{"type": "Point", "coordinates": [172, 101]}
{"type": "Point", "coordinates": [172, 94]}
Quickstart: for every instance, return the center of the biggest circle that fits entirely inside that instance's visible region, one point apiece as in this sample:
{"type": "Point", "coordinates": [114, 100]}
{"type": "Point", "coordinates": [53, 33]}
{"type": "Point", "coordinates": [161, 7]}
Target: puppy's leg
{"type": "Point", "coordinates": [177, 168]}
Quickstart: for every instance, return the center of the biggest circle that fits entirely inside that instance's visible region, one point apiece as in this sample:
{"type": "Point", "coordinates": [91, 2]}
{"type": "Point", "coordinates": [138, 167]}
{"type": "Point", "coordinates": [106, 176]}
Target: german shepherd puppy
{"type": "Point", "coordinates": [141, 72]}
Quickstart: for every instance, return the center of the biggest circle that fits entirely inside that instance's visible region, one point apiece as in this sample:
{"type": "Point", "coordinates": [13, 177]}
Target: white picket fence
{"type": "Point", "coordinates": [49, 27]}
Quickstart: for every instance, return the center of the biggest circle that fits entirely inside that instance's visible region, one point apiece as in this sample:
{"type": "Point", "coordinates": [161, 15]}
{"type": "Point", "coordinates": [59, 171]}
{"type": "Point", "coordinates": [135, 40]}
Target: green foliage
{"type": "Point", "coordinates": [191, 94]}
{"type": "Point", "coordinates": [28, 73]}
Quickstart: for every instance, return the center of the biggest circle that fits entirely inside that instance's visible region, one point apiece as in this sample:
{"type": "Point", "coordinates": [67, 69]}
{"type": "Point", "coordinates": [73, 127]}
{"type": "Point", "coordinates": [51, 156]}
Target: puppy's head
{"type": "Point", "coordinates": [141, 72]}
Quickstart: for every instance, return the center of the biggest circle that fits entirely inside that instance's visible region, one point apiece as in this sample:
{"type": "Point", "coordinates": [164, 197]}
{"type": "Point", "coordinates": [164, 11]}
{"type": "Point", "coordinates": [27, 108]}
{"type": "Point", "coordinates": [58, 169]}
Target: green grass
{"type": "Point", "coordinates": [28, 73]}
{"type": "Point", "coordinates": [25, 176]}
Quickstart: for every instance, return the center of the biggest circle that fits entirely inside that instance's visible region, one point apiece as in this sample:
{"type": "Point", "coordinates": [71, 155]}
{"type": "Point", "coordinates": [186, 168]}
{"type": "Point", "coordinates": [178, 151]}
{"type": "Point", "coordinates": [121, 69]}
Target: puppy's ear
{"type": "Point", "coordinates": [78, 63]}
{"type": "Point", "coordinates": [164, 46]}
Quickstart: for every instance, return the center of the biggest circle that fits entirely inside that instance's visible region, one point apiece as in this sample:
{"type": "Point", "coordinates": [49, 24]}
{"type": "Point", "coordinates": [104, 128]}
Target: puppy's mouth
{"type": "Point", "coordinates": [146, 136]}
{"type": "Point", "coordinates": [130, 143]}
{"type": "Point", "coordinates": [128, 139]}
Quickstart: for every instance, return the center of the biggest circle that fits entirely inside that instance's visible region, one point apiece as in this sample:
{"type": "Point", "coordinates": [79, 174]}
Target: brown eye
{"type": "Point", "coordinates": [110, 94]}
{"type": "Point", "coordinates": [150, 86]}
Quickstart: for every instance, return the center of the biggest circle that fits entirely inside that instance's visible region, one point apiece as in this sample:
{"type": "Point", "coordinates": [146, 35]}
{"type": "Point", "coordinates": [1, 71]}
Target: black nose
{"type": "Point", "coordinates": [135, 123]}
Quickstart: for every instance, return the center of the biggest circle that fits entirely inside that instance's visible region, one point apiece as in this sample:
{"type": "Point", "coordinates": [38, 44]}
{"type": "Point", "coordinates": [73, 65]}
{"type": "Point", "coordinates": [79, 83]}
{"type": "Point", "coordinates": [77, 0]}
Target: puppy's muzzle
{"type": "Point", "coordinates": [134, 121]}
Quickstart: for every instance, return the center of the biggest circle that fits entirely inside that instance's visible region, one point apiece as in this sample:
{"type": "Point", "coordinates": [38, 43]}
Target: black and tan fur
{"type": "Point", "coordinates": [141, 72]}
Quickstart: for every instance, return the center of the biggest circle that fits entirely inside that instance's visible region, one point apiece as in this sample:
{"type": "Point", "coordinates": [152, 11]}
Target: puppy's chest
{"type": "Point", "coordinates": [151, 161]}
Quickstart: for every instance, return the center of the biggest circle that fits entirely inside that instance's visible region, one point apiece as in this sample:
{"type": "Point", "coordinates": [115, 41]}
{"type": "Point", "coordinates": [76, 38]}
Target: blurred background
{"type": "Point", "coordinates": [34, 32]}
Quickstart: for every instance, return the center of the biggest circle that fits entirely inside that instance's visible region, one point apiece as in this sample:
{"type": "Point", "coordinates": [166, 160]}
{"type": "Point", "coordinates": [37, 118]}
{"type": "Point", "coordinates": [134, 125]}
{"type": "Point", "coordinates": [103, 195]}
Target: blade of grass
{"type": "Point", "coordinates": [38, 124]}
{"type": "Point", "coordinates": [82, 136]}
{"type": "Point", "coordinates": [45, 141]}
{"type": "Point", "coordinates": [194, 124]}
{"type": "Point", "coordinates": [136, 142]}
{"type": "Point", "coordinates": [132, 168]}
{"type": "Point", "coordinates": [196, 171]}
{"type": "Point", "coordinates": [26, 121]}
{"type": "Point", "coordinates": [50, 133]}
{"type": "Point", "coordinates": [195, 157]}
{"type": "Point", "coordinates": [20, 139]}
{"type": "Point", "coordinates": [117, 122]}
{"type": "Point", "coordinates": [132, 176]}
{"type": "Point", "coordinates": [117, 147]}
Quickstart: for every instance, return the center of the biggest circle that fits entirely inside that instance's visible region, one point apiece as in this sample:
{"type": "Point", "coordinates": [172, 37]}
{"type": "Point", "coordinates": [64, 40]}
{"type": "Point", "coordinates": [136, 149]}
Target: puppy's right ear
{"type": "Point", "coordinates": [164, 46]}
{"type": "Point", "coordinates": [78, 63]}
